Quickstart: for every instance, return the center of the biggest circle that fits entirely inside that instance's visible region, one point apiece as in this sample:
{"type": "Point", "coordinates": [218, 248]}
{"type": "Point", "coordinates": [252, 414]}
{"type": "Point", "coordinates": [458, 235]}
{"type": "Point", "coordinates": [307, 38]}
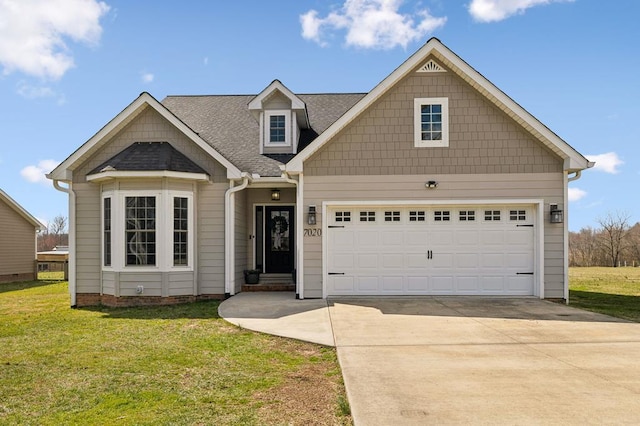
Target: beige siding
{"type": "Point", "coordinates": [210, 236]}
{"type": "Point", "coordinates": [241, 238]}
{"type": "Point", "coordinates": [18, 247]}
{"type": "Point", "coordinates": [88, 238]}
{"type": "Point", "coordinates": [151, 282]}
{"type": "Point", "coordinates": [109, 282]}
{"type": "Point", "coordinates": [483, 140]}
{"type": "Point", "coordinates": [179, 283]}
{"type": "Point", "coordinates": [546, 186]}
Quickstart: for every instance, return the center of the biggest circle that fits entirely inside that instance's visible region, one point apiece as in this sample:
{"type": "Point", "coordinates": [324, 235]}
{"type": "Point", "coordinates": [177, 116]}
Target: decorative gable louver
{"type": "Point", "coordinates": [431, 66]}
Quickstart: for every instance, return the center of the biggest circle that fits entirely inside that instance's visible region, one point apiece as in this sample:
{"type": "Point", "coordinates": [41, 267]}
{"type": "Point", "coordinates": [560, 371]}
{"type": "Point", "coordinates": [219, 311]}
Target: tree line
{"type": "Point", "coordinates": [614, 243]}
{"type": "Point", "coordinates": [54, 235]}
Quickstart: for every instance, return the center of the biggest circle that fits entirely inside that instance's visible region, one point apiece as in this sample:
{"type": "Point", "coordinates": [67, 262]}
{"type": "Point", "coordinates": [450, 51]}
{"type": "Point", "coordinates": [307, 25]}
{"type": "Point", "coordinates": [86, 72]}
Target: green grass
{"type": "Point", "coordinates": [611, 291]}
{"type": "Point", "coordinates": [51, 276]}
{"type": "Point", "coordinates": [158, 365]}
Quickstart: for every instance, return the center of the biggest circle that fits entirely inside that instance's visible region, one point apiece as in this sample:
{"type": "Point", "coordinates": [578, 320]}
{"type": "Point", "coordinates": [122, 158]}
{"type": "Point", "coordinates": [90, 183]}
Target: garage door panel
{"type": "Point", "coordinates": [429, 256]}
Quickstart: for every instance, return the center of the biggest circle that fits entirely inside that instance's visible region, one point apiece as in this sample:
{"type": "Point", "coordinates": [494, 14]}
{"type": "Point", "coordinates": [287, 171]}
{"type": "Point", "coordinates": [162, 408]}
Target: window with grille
{"type": "Point", "coordinates": [180, 231]}
{"type": "Point", "coordinates": [467, 216]}
{"type": "Point", "coordinates": [417, 216]}
{"type": "Point", "coordinates": [442, 216]}
{"type": "Point", "coordinates": [393, 216]}
{"type": "Point", "coordinates": [140, 230]}
{"type": "Point", "coordinates": [106, 236]}
{"type": "Point", "coordinates": [343, 216]}
{"type": "Point", "coordinates": [368, 216]}
{"type": "Point", "coordinates": [517, 215]}
{"type": "Point", "coordinates": [492, 215]}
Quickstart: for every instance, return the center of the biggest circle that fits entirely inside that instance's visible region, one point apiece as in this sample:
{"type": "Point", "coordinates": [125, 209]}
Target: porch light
{"type": "Point", "coordinates": [311, 216]}
{"type": "Point", "coordinates": [555, 214]}
{"type": "Point", "coordinates": [431, 184]}
{"type": "Point", "coordinates": [275, 195]}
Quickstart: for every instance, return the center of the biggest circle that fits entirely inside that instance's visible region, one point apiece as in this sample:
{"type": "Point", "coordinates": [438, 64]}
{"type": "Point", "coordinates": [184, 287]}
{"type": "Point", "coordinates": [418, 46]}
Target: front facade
{"type": "Point", "coordinates": [433, 183]}
{"type": "Point", "coordinates": [19, 231]}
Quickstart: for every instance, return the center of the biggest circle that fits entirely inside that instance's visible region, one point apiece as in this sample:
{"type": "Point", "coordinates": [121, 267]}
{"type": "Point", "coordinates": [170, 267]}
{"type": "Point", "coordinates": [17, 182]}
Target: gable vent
{"type": "Point", "coordinates": [431, 66]}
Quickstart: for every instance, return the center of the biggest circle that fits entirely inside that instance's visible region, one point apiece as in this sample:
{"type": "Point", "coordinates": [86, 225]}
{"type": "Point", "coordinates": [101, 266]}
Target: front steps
{"type": "Point", "coordinates": [271, 282]}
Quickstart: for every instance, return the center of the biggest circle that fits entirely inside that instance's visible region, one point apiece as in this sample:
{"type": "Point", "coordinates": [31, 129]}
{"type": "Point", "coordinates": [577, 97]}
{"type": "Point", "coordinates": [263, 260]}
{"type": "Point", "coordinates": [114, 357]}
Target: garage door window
{"type": "Point", "coordinates": [392, 216]}
{"type": "Point", "coordinates": [492, 215]}
{"type": "Point", "coordinates": [343, 216]}
{"type": "Point", "coordinates": [517, 215]}
{"type": "Point", "coordinates": [467, 216]}
{"type": "Point", "coordinates": [442, 216]}
{"type": "Point", "coordinates": [417, 216]}
{"type": "Point", "coordinates": [367, 216]}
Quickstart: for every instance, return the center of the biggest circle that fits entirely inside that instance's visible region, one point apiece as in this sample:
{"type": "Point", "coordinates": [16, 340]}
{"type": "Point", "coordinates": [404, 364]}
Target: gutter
{"type": "Point", "coordinates": [229, 234]}
{"type": "Point", "coordinates": [72, 235]}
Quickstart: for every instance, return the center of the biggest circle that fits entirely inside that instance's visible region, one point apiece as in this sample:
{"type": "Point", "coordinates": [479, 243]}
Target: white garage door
{"type": "Point", "coordinates": [462, 250]}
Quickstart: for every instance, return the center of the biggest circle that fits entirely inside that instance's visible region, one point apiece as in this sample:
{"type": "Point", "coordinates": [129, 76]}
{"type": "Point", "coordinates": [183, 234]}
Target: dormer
{"type": "Point", "coordinates": [281, 115]}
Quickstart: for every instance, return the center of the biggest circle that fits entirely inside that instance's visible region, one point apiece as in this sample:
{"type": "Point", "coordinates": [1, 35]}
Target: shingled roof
{"type": "Point", "coordinates": [149, 156]}
{"type": "Point", "coordinates": [225, 122]}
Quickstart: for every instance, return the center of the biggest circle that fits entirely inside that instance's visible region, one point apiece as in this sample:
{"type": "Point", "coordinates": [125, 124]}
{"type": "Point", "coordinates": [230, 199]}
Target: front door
{"type": "Point", "coordinates": [279, 242]}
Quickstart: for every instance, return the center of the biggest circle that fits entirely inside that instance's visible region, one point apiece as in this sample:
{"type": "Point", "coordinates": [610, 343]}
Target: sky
{"type": "Point", "coordinates": [67, 67]}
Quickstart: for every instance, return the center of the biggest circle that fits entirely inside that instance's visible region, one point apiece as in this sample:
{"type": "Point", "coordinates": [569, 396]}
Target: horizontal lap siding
{"type": "Point", "coordinates": [109, 282]}
{"type": "Point", "coordinates": [241, 238]}
{"type": "Point", "coordinates": [18, 248]}
{"type": "Point", "coordinates": [180, 283]}
{"type": "Point", "coordinates": [87, 238]}
{"type": "Point", "coordinates": [451, 187]}
{"type": "Point", "coordinates": [151, 281]}
{"type": "Point", "coordinates": [210, 235]}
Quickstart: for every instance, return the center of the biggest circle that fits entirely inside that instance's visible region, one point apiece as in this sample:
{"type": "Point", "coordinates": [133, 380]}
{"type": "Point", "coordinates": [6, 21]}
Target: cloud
{"type": "Point", "coordinates": [576, 194]}
{"type": "Point", "coordinates": [497, 10]}
{"type": "Point", "coordinates": [371, 24]}
{"type": "Point", "coordinates": [36, 174]}
{"type": "Point", "coordinates": [607, 162]}
{"type": "Point", "coordinates": [33, 34]}
{"type": "Point", "coordinates": [147, 77]}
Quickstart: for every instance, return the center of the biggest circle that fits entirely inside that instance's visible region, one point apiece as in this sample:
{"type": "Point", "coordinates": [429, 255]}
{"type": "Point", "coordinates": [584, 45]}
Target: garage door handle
{"type": "Point", "coordinates": [336, 226]}
{"type": "Point", "coordinates": [429, 254]}
{"type": "Point", "coordinates": [524, 226]}
{"type": "Point", "coordinates": [524, 273]}
{"type": "Point", "coordinates": [336, 273]}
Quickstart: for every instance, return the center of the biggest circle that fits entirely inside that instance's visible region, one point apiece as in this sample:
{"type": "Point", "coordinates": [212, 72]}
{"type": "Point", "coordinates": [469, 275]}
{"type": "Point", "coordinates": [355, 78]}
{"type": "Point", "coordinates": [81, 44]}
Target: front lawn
{"type": "Point", "coordinates": [611, 291]}
{"type": "Point", "coordinates": [163, 365]}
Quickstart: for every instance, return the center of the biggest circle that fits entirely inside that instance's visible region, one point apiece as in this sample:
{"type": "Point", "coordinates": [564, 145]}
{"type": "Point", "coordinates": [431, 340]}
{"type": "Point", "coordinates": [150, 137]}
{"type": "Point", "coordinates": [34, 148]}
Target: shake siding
{"type": "Point", "coordinates": [18, 248]}
{"type": "Point", "coordinates": [149, 126]}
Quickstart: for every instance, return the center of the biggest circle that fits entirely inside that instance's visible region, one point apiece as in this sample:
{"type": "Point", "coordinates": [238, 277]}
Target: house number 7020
{"type": "Point", "coordinates": [313, 232]}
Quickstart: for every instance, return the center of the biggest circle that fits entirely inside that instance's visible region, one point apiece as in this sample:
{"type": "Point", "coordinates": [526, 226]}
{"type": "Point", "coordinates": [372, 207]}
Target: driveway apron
{"type": "Point", "coordinates": [470, 360]}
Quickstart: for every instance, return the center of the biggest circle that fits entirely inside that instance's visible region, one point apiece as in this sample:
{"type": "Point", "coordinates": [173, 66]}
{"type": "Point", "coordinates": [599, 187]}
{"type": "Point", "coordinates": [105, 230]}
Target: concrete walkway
{"type": "Point", "coordinates": [464, 360]}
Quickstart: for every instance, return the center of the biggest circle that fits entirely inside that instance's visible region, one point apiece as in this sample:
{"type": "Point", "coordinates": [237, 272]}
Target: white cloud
{"type": "Point", "coordinates": [607, 162]}
{"type": "Point", "coordinates": [36, 174]}
{"type": "Point", "coordinates": [576, 194]}
{"type": "Point", "coordinates": [497, 10]}
{"type": "Point", "coordinates": [147, 77]}
{"type": "Point", "coordinates": [376, 24]}
{"type": "Point", "coordinates": [33, 34]}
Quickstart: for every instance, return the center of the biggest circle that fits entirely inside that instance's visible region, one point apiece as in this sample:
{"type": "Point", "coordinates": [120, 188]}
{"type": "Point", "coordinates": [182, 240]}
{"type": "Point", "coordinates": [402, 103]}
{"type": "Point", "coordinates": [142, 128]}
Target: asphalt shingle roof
{"type": "Point", "coordinates": [150, 156]}
{"type": "Point", "coordinates": [225, 123]}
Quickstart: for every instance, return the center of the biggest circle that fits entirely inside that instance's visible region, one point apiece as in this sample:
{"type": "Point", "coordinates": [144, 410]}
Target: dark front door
{"type": "Point", "coordinates": [279, 242]}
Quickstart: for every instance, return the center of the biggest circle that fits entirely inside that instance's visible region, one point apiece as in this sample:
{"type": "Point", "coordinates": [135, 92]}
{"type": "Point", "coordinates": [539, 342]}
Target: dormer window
{"type": "Point", "coordinates": [278, 127]}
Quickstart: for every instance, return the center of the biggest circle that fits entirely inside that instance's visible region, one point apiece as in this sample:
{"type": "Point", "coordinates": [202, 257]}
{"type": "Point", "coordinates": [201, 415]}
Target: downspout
{"type": "Point", "coordinates": [229, 235]}
{"type": "Point", "coordinates": [299, 233]}
{"type": "Point", "coordinates": [72, 237]}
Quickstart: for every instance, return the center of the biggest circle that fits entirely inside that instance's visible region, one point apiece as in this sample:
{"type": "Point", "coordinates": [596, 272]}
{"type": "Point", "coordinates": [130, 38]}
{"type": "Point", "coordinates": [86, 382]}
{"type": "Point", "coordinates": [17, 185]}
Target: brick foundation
{"type": "Point", "coordinates": [11, 278]}
{"type": "Point", "coordinates": [93, 299]}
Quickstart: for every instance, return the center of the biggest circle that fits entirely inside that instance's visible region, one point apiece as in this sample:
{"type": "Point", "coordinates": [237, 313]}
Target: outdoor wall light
{"type": "Point", "coordinates": [311, 216]}
{"type": "Point", "coordinates": [275, 195]}
{"type": "Point", "coordinates": [555, 214]}
{"type": "Point", "coordinates": [431, 184]}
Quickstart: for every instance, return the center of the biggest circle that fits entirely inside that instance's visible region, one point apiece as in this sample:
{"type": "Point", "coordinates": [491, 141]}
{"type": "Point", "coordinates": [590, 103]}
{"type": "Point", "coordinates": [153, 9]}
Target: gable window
{"type": "Point", "coordinates": [431, 122]}
{"type": "Point", "coordinates": [277, 127]}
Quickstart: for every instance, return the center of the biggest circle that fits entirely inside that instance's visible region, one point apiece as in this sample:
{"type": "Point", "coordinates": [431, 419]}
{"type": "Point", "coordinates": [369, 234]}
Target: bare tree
{"type": "Point", "coordinates": [54, 235]}
{"type": "Point", "coordinates": [583, 247]}
{"type": "Point", "coordinates": [613, 235]}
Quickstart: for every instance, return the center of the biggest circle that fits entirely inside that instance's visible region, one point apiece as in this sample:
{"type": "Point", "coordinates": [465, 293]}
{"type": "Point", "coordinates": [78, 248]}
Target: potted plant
{"type": "Point", "coordinates": [251, 276]}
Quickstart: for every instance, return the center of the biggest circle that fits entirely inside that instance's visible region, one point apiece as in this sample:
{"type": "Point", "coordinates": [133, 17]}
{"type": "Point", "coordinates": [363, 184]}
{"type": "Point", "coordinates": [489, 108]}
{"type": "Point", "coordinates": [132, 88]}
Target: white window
{"type": "Point", "coordinates": [343, 216]}
{"type": "Point", "coordinates": [277, 129]}
{"type": "Point", "coordinates": [147, 230]}
{"type": "Point", "coordinates": [442, 216]}
{"type": "Point", "coordinates": [368, 216]}
{"type": "Point", "coordinates": [393, 216]}
{"type": "Point", "coordinates": [431, 122]}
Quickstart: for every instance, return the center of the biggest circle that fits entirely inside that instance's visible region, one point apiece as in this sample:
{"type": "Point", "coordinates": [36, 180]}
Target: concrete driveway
{"type": "Point", "coordinates": [467, 360]}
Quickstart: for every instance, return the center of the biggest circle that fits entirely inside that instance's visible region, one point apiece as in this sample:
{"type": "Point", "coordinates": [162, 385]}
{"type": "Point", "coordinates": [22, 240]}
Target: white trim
{"type": "Point", "coordinates": [417, 123]}
{"type": "Point", "coordinates": [256, 103]}
{"type": "Point", "coordinates": [300, 237]}
{"type": "Point", "coordinates": [565, 196]}
{"type": "Point", "coordinates": [64, 172]}
{"type": "Point", "coordinates": [72, 244]}
{"type": "Point", "coordinates": [573, 159]}
{"type": "Point", "coordinates": [229, 235]}
{"type": "Point", "coordinates": [115, 174]}
{"type": "Point", "coordinates": [538, 204]}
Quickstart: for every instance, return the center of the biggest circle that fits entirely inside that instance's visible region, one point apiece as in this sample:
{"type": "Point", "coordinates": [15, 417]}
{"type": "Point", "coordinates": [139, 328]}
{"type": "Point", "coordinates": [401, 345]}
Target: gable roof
{"type": "Point", "coordinates": [20, 210]}
{"type": "Point", "coordinates": [226, 123]}
{"type": "Point", "coordinates": [64, 171]}
{"type": "Point", "coordinates": [573, 160]}
{"type": "Point", "coordinates": [297, 105]}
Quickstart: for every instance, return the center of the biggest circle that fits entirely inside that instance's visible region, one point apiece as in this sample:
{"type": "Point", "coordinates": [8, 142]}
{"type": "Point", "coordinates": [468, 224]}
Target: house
{"type": "Point", "coordinates": [433, 183]}
{"type": "Point", "coordinates": [19, 233]}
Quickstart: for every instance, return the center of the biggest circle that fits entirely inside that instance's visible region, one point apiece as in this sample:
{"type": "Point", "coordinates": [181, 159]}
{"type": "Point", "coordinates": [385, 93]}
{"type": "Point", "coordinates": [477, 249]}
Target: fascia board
{"type": "Point", "coordinates": [64, 170]}
{"type": "Point", "coordinates": [115, 174]}
{"type": "Point", "coordinates": [21, 211]}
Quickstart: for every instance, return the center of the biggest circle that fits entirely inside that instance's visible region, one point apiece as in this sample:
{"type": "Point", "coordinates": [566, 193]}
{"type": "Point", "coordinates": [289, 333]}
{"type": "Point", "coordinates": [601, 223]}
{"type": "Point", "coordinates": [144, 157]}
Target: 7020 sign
{"type": "Point", "coordinates": [312, 232]}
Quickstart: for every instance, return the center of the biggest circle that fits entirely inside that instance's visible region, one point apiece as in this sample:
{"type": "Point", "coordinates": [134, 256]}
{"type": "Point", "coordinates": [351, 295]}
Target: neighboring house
{"type": "Point", "coordinates": [433, 183]}
{"type": "Point", "coordinates": [18, 241]}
